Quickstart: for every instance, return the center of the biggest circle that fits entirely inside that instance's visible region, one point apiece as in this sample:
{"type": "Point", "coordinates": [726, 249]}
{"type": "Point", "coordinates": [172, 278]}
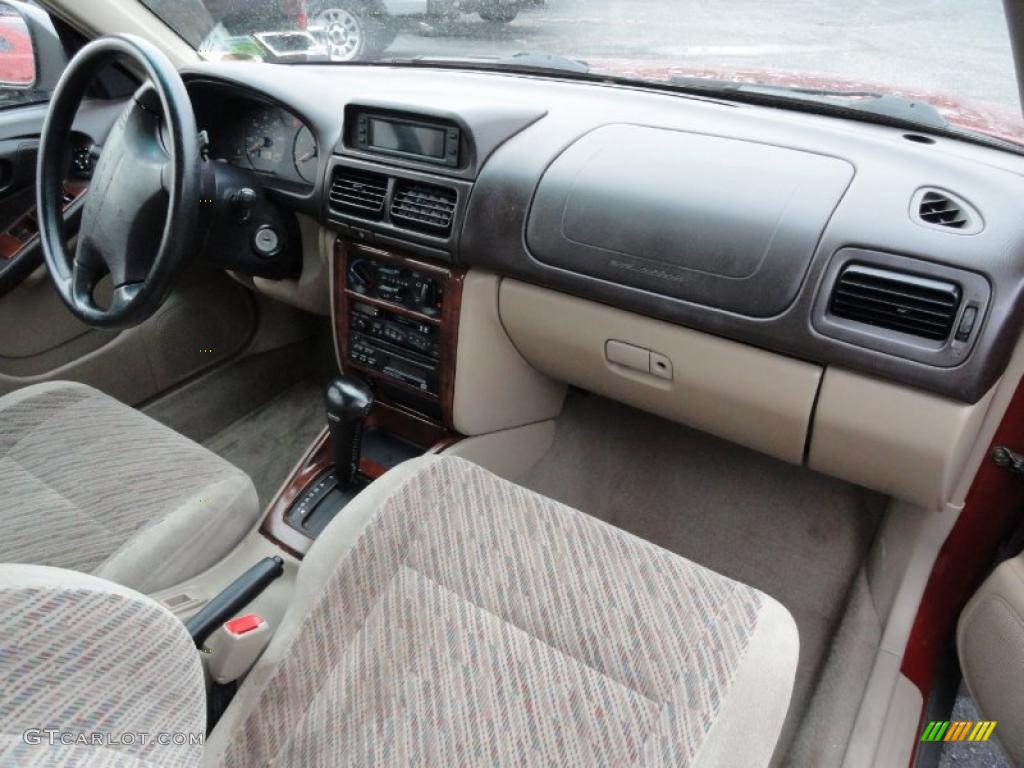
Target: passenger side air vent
{"type": "Point", "coordinates": [423, 206]}
{"type": "Point", "coordinates": [900, 302]}
{"type": "Point", "coordinates": [358, 192]}
{"type": "Point", "coordinates": [943, 210]}
{"type": "Point", "coordinates": [936, 208]}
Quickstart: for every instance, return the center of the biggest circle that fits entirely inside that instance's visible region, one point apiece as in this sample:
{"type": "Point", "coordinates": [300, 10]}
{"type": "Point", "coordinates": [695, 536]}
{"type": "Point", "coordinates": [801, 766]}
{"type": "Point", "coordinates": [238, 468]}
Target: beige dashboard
{"type": "Point", "coordinates": [893, 439]}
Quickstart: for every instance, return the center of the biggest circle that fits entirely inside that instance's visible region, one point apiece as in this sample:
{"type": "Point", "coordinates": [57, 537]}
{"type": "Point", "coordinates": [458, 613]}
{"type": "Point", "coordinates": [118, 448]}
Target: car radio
{"type": "Point", "coordinates": [394, 320]}
{"type": "Point", "coordinates": [396, 346]}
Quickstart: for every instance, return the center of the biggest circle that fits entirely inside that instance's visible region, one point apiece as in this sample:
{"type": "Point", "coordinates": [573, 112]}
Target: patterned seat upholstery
{"type": "Point", "coordinates": [449, 617]}
{"type": "Point", "coordinates": [445, 618]}
{"type": "Point", "coordinates": [90, 484]}
{"type": "Point", "coordinates": [86, 668]}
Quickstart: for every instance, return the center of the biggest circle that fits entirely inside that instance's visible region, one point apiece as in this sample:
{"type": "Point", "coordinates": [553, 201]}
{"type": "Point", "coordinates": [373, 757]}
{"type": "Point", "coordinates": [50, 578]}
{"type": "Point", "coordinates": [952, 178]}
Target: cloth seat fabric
{"type": "Point", "coordinates": [102, 667]}
{"type": "Point", "coordinates": [90, 484]}
{"type": "Point", "coordinates": [449, 617]}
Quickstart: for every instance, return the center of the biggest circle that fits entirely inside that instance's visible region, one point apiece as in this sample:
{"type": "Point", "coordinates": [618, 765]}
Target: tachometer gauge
{"type": "Point", "coordinates": [305, 154]}
{"type": "Point", "coordinates": [267, 140]}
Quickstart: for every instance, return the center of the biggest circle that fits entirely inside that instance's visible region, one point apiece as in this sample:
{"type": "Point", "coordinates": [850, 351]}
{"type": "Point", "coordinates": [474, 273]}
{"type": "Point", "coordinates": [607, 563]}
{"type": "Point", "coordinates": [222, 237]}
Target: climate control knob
{"type": "Point", "coordinates": [359, 276]}
{"type": "Point", "coordinates": [427, 296]}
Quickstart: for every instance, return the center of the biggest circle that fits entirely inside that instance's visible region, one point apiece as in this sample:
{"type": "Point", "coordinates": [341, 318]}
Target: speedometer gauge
{"type": "Point", "coordinates": [305, 154]}
{"type": "Point", "coordinates": [267, 140]}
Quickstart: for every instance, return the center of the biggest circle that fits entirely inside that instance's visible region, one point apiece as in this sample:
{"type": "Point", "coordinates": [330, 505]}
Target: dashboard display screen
{"type": "Point", "coordinates": [404, 137]}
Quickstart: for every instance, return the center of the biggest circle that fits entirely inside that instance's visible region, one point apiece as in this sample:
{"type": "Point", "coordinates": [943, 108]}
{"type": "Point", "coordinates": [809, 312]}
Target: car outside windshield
{"type": "Point", "coordinates": [952, 55]}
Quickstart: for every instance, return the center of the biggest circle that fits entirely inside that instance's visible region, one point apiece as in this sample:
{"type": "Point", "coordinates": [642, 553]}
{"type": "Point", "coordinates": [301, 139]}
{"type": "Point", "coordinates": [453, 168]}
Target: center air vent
{"type": "Point", "coordinates": [900, 302]}
{"type": "Point", "coordinates": [423, 206]}
{"type": "Point", "coordinates": [358, 192]}
{"type": "Point", "coordinates": [941, 209]}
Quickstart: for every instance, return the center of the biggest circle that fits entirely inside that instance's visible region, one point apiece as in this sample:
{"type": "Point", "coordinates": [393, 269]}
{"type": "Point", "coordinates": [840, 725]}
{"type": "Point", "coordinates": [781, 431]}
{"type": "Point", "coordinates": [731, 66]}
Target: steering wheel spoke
{"type": "Point", "coordinates": [84, 279]}
{"type": "Point", "coordinates": [124, 295]}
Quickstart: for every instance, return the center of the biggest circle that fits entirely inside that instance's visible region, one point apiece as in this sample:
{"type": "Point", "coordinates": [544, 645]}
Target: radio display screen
{"type": "Point", "coordinates": [406, 138]}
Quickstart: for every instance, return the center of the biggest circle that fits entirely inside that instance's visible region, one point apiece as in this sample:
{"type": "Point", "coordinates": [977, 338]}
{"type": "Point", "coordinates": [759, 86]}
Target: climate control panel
{"type": "Point", "coordinates": [395, 321]}
{"type": "Point", "coordinates": [407, 287]}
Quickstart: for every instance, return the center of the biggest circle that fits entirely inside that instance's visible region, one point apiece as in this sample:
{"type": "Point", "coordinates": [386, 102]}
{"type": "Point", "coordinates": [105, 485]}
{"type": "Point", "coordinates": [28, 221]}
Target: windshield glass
{"type": "Point", "coordinates": [952, 55]}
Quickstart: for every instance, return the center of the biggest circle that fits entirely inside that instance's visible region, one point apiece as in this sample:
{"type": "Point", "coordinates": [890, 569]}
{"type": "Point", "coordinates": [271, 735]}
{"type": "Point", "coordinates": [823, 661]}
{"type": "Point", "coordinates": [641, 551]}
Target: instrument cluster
{"type": "Point", "coordinates": [275, 143]}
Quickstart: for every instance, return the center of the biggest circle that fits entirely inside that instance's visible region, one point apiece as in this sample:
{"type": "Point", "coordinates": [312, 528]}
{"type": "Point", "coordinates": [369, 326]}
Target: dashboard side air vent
{"type": "Point", "coordinates": [897, 301]}
{"type": "Point", "coordinates": [426, 207]}
{"type": "Point", "coordinates": [941, 209]}
{"type": "Point", "coordinates": [358, 192]}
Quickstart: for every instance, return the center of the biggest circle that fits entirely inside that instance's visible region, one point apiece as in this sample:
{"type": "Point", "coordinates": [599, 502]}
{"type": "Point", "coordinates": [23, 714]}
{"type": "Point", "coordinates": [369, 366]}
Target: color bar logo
{"type": "Point", "coordinates": [958, 730]}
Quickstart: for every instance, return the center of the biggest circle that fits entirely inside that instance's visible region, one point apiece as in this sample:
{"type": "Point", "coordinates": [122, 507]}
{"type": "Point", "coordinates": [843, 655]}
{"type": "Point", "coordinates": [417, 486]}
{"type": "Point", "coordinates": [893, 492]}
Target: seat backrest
{"type": "Point", "coordinates": [93, 673]}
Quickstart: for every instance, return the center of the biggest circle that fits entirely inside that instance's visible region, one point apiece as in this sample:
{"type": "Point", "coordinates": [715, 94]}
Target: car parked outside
{"type": "Point", "coordinates": [352, 30]}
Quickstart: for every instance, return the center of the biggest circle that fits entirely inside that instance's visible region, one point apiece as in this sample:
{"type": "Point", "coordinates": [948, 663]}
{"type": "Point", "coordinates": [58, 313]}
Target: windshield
{"type": "Point", "coordinates": [952, 55]}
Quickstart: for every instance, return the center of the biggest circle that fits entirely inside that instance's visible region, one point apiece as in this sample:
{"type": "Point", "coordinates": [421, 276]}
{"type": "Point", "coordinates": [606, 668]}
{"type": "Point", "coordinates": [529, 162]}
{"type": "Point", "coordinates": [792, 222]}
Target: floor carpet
{"type": "Point", "coordinates": [268, 442]}
{"type": "Point", "coordinates": [797, 535]}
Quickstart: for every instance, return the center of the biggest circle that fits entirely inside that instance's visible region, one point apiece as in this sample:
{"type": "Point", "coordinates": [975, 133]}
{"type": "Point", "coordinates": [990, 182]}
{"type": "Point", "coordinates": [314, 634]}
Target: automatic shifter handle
{"type": "Point", "coordinates": [349, 401]}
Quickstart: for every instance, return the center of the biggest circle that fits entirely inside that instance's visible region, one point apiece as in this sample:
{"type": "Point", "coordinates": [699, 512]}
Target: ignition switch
{"type": "Point", "coordinates": [266, 242]}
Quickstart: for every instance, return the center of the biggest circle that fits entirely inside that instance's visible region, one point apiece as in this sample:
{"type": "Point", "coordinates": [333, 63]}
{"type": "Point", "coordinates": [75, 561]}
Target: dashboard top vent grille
{"type": "Point", "coordinates": [428, 207]}
{"type": "Point", "coordinates": [358, 192]}
{"type": "Point", "coordinates": [897, 301]}
{"type": "Point", "coordinates": [937, 208]}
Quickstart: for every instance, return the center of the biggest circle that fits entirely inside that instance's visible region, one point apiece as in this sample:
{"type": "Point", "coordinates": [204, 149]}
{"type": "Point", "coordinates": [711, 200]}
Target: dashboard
{"type": "Point", "coordinates": [822, 239]}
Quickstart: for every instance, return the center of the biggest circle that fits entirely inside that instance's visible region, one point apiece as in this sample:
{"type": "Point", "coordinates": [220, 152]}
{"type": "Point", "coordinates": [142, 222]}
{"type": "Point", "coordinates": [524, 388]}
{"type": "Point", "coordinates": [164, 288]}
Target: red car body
{"type": "Point", "coordinates": [17, 59]}
{"type": "Point", "coordinates": [992, 120]}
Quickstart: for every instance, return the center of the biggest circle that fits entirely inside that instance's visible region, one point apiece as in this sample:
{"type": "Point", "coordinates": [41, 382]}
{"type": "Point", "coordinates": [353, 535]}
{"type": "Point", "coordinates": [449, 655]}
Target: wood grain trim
{"type": "Point", "coordinates": [12, 246]}
{"type": "Point", "coordinates": [452, 278]}
{"type": "Point", "coordinates": [319, 458]}
{"type": "Point", "coordinates": [397, 419]}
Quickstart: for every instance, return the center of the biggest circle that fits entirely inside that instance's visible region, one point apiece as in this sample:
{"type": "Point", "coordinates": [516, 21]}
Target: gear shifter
{"type": "Point", "coordinates": [349, 401]}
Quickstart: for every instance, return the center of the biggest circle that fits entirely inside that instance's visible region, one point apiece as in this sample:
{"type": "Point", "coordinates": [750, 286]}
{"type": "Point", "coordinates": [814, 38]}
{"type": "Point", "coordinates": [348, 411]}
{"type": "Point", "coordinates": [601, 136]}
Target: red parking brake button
{"type": "Point", "coordinates": [243, 624]}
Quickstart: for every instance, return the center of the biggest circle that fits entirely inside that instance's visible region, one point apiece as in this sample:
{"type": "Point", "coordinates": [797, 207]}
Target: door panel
{"type": "Point", "coordinates": [206, 320]}
{"type": "Point", "coordinates": [990, 643]}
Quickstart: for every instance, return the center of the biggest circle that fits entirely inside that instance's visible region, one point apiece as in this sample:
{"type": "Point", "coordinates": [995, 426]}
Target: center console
{"type": "Point", "coordinates": [396, 322]}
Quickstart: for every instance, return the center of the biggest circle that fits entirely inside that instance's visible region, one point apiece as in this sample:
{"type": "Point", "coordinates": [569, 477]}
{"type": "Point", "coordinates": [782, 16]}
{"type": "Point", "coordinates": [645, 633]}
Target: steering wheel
{"type": "Point", "coordinates": [141, 211]}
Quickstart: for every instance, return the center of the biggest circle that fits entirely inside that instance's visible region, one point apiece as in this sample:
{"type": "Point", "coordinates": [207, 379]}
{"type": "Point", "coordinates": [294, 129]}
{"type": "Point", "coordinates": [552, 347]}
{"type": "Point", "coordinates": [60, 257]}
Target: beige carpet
{"type": "Point", "coordinates": [795, 534]}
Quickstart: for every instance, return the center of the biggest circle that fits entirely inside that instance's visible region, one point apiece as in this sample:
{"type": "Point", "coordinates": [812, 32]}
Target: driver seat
{"type": "Point", "coordinates": [92, 485]}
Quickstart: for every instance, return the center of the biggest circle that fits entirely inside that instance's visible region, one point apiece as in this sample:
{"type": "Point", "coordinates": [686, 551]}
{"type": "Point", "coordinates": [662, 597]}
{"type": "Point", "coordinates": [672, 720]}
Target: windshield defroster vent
{"type": "Point", "coordinates": [897, 301]}
{"type": "Point", "coordinates": [421, 206]}
{"type": "Point", "coordinates": [358, 192]}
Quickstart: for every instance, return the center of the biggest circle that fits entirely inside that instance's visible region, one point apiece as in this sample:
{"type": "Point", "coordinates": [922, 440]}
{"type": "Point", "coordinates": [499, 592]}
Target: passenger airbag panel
{"type": "Point", "coordinates": [720, 222]}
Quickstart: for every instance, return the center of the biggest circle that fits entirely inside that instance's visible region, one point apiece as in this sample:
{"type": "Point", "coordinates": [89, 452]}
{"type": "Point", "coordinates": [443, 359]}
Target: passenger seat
{"type": "Point", "coordinates": [446, 617]}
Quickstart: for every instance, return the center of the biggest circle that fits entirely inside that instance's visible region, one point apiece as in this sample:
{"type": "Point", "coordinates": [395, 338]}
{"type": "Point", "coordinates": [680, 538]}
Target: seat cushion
{"type": "Point", "coordinates": [89, 484]}
{"type": "Point", "coordinates": [100, 665]}
{"type": "Point", "coordinates": [448, 617]}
